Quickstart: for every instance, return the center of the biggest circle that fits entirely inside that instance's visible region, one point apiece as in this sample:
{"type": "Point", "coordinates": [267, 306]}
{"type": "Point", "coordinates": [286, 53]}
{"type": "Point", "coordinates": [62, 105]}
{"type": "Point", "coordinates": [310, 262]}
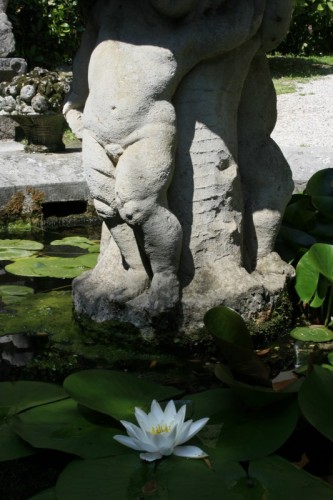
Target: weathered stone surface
{"type": "Point", "coordinates": [58, 176]}
{"type": "Point", "coordinates": [179, 160]}
{"type": "Point", "coordinates": [7, 41]}
{"type": "Point", "coordinates": [10, 67]}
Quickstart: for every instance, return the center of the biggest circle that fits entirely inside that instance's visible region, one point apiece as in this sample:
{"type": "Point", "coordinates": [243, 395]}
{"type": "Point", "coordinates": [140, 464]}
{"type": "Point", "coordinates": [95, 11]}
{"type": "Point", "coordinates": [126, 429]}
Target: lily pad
{"type": "Point", "coordinates": [10, 294]}
{"type": "Point", "coordinates": [312, 333]}
{"type": "Point", "coordinates": [78, 241]}
{"type": "Point", "coordinates": [53, 267]}
{"type": "Point", "coordinates": [15, 249]}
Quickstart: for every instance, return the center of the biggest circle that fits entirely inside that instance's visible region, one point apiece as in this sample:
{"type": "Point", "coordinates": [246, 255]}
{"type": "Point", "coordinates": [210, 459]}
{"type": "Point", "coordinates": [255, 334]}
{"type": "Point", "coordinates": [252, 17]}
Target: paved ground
{"type": "Point", "coordinates": [304, 132]}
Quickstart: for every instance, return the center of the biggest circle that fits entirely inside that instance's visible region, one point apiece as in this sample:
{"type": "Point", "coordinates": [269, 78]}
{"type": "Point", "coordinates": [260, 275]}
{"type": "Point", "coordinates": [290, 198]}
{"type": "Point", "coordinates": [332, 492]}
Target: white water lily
{"type": "Point", "coordinates": [162, 432]}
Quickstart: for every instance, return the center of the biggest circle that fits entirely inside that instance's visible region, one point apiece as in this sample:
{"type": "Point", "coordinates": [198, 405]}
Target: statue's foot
{"type": "Point", "coordinates": [93, 291]}
{"type": "Point", "coordinates": [273, 264]}
{"type": "Point", "coordinates": [162, 297]}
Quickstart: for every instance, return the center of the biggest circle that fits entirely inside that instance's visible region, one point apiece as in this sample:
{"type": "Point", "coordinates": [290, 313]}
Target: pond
{"type": "Point", "coordinates": [107, 369]}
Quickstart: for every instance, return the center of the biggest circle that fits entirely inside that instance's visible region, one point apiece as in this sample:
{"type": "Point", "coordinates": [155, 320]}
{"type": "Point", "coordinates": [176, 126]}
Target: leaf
{"type": "Point", "coordinates": [253, 434]}
{"type": "Point", "coordinates": [312, 333]}
{"type": "Point", "coordinates": [115, 393]}
{"type": "Point", "coordinates": [77, 241]}
{"type": "Point", "coordinates": [54, 267]}
{"type": "Point", "coordinates": [233, 338]}
{"type": "Point", "coordinates": [12, 446]}
{"type": "Point", "coordinates": [49, 494]}
{"type": "Point", "coordinates": [10, 294]}
{"type": "Point", "coordinates": [60, 426]}
{"type": "Point", "coordinates": [282, 480]}
{"type": "Point", "coordinates": [128, 477]}
{"type": "Point", "coordinates": [226, 324]}
{"type": "Point", "coordinates": [14, 249]}
{"type": "Point", "coordinates": [321, 183]}
{"type": "Point", "coordinates": [316, 400]}
{"type": "Point", "coordinates": [21, 395]}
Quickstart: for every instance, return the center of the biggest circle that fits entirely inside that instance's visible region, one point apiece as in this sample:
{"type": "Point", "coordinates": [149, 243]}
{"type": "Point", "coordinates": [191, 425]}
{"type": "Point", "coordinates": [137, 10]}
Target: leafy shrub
{"type": "Point", "coordinates": [47, 32]}
{"type": "Point", "coordinates": [311, 30]}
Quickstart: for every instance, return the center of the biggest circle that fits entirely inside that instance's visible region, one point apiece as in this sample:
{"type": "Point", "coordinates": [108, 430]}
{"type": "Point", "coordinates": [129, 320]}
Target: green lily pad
{"type": "Point", "coordinates": [53, 267]}
{"type": "Point", "coordinates": [15, 249]}
{"type": "Point", "coordinates": [115, 393]}
{"type": "Point", "coordinates": [78, 241]}
{"type": "Point", "coordinates": [312, 333]}
{"type": "Point", "coordinates": [316, 400]}
{"type": "Point", "coordinates": [60, 426]}
{"type": "Point", "coordinates": [10, 294]}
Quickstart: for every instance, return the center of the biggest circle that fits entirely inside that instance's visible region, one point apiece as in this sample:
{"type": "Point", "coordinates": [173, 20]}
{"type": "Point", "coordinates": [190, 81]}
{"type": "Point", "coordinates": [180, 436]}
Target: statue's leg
{"type": "Point", "coordinates": [265, 173]}
{"type": "Point", "coordinates": [143, 175]}
{"type": "Point", "coordinates": [119, 273]}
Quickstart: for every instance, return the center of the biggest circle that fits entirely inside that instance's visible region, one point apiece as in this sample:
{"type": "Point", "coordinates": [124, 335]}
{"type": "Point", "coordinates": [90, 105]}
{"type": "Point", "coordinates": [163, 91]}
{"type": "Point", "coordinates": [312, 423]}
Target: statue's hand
{"type": "Point", "coordinates": [74, 119]}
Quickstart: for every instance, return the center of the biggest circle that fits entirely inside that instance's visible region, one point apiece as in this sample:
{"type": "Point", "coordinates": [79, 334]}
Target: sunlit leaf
{"type": "Point", "coordinates": [115, 393]}
{"type": "Point", "coordinates": [316, 400]}
{"type": "Point", "coordinates": [61, 426]}
{"type": "Point", "coordinates": [312, 333]}
{"type": "Point", "coordinates": [14, 249]}
{"type": "Point", "coordinates": [10, 294]}
{"type": "Point", "coordinates": [55, 267]}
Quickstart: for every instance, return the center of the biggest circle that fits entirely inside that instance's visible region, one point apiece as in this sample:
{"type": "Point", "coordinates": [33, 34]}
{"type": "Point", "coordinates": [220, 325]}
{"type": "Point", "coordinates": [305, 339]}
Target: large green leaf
{"type": "Point", "coordinates": [321, 183]}
{"type": "Point", "coordinates": [251, 434]}
{"type": "Point", "coordinates": [307, 278]}
{"type": "Point", "coordinates": [49, 494]}
{"type": "Point", "coordinates": [312, 333]}
{"type": "Point", "coordinates": [115, 393]}
{"type": "Point", "coordinates": [11, 445]}
{"type": "Point", "coordinates": [55, 267]}
{"type": "Point", "coordinates": [21, 395]}
{"type": "Point", "coordinates": [14, 249]}
{"type": "Point", "coordinates": [77, 241]}
{"type": "Point", "coordinates": [233, 338]}
{"type": "Point", "coordinates": [316, 400]}
{"type": "Point", "coordinates": [226, 324]}
{"type": "Point", "coordinates": [16, 397]}
{"type": "Point", "coordinates": [61, 426]}
{"type": "Point", "coordinates": [127, 477]}
{"type": "Point", "coordinates": [282, 480]}
{"type": "Point", "coordinates": [10, 294]}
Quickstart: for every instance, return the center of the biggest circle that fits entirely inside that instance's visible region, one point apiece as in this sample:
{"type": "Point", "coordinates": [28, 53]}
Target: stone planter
{"type": "Point", "coordinates": [43, 132]}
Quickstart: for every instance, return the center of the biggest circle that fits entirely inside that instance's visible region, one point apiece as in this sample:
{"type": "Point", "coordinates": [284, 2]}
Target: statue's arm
{"type": "Point", "coordinates": [75, 100]}
{"type": "Point", "coordinates": [232, 24]}
{"type": "Point", "coordinates": [275, 23]}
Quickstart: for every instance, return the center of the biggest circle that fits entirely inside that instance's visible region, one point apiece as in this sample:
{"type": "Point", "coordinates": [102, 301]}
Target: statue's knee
{"type": "Point", "coordinates": [134, 212]}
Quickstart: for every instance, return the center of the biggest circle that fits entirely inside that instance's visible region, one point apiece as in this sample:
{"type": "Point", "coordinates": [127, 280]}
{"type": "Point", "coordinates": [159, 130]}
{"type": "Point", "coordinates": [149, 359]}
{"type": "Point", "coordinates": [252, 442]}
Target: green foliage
{"type": "Point", "coordinates": [41, 415]}
{"type": "Point", "coordinates": [47, 32]}
{"type": "Point", "coordinates": [14, 249]}
{"type": "Point", "coordinates": [311, 30]}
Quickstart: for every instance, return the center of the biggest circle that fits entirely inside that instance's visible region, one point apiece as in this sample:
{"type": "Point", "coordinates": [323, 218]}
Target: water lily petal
{"type": "Point", "coordinates": [180, 417]}
{"type": "Point", "coordinates": [170, 411]}
{"type": "Point", "coordinates": [132, 430]}
{"type": "Point", "coordinates": [157, 411]}
{"type": "Point", "coordinates": [183, 432]}
{"type": "Point", "coordinates": [142, 418]}
{"type": "Point", "coordinates": [165, 442]}
{"type": "Point", "coordinates": [127, 441]}
{"type": "Point", "coordinates": [189, 452]}
{"type": "Point", "coordinates": [150, 457]}
{"type": "Point", "coordinates": [196, 427]}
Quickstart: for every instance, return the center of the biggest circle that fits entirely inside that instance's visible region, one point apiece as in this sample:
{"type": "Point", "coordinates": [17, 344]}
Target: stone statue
{"type": "Point", "coordinates": [174, 104]}
{"type": "Point", "coordinates": [7, 42]}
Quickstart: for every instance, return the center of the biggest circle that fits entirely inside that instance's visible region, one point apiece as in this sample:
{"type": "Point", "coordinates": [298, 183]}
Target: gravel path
{"type": "Point", "coordinates": [305, 118]}
{"type": "Point", "coordinates": [304, 128]}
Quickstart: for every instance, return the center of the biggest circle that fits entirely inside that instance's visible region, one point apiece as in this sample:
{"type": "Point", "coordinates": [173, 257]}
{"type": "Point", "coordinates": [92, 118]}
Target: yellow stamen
{"type": "Point", "coordinates": [158, 429]}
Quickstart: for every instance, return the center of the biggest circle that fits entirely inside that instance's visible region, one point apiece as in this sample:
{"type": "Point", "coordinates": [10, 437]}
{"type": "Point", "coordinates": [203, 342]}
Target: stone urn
{"type": "Point", "coordinates": [35, 101]}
